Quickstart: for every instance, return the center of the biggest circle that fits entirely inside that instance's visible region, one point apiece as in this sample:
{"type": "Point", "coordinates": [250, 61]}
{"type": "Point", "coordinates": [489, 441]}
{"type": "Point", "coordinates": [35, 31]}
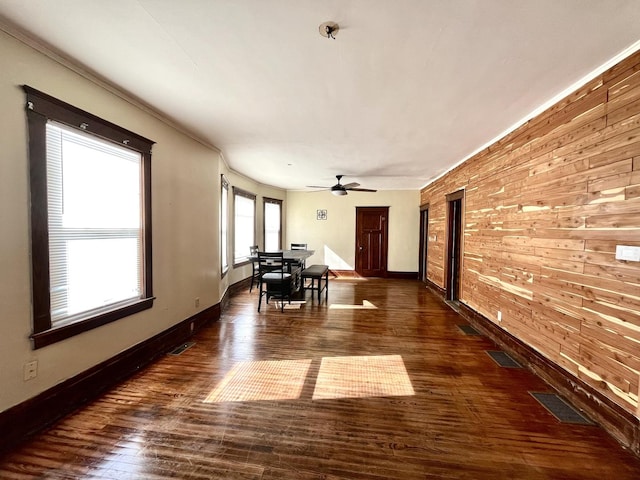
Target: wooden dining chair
{"type": "Point", "coordinates": [275, 281]}
{"type": "Point", "coordinates": [255, 275]}
{"type": "Point", "coordinates": [300, 246]}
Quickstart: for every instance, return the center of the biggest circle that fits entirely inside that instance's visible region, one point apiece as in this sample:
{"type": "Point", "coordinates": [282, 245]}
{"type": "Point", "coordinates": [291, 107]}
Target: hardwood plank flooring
{"type": "Point", "coordinates": [468, 417]}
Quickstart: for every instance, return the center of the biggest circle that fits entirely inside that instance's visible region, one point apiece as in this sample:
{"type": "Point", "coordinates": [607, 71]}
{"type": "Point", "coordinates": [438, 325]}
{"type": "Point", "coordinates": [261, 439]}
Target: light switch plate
{"type": "Point", "coordinates": [627, 252]}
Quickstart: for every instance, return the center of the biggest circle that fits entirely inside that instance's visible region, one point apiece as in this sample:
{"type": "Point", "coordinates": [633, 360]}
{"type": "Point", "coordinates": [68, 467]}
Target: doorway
{"type": "Point", "coordinates": [424, 243]}
{"type": "Point", "coordinates": [372, 230]}
{"type": "Point", "coordinates": [454, 241]}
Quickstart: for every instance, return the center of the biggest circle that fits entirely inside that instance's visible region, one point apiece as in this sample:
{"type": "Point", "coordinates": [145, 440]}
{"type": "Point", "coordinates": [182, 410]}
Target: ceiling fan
{"type": "Point", "coordinates": [339, 189]}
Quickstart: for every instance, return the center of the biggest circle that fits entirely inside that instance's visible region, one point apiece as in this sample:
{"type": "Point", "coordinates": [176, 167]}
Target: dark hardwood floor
{"type": "Point", "coordinates": [468, 417]}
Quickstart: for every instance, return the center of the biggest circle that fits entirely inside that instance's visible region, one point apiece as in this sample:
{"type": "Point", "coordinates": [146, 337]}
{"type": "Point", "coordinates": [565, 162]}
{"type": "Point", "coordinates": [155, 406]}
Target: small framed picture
{"type": "Point", "coordinates": [321, 215]}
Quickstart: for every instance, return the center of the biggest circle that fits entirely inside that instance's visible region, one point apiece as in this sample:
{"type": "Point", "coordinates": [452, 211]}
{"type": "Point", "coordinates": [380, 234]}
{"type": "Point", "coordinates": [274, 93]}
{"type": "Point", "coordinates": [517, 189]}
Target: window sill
{"type": "Point", "coordinates": [242, 264]}
{"type": "Point", "coordinates": [58, 334]}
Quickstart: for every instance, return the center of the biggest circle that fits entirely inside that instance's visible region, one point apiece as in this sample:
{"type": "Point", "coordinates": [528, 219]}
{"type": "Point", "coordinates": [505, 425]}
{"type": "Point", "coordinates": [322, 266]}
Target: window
{"type": "Point", "coordinates": [244, 204]}
{"type": "Point", "coordinates": [90, 186]}
{"type": "Point", "coordinates": [272, 224]}
{"type": "Point", "coordinates": [224, 225]}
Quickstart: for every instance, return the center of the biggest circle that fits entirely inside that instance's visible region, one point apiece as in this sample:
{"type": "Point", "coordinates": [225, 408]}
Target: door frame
{"type": "Point", "coordinates": [424, 244]}
{"type": "Point", "coordinates": [455, 216]}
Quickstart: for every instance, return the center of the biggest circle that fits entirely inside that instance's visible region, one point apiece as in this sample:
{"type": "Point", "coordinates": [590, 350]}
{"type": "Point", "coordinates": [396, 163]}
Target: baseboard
{"type": "Point", "coordinates": [239, 286]}
{"type": "Point", "coordinates": [233, 289]}
{"type": "Point", "coordinates": [20, 422]}
{"type": "Point", "coordinates": [619, 423]}
{"type": "Point", "coordinates": [437, 289]}
{"type": "Point", "coordinates": [403, 275]}
{"type": "Point", "coordinates": [393, 275]}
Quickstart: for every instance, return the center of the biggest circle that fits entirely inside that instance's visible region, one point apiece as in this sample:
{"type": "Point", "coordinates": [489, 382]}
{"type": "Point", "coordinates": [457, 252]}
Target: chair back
{"type": "Point", "coordinates": [274, 281]}
{"type": "Point", "coordinates": [255, 276]}
{"type": "Point", "coordinates": [298, 246]}
{"type": "Point", "coordinates": [271, 262]}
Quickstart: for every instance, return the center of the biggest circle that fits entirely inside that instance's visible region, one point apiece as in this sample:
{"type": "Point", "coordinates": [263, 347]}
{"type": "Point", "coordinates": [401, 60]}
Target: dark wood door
{"type": "Point", "coordinates": [371, 241]}
{"type": "Point", "coordinates": [454, 240]}
{"type": "Point", "coordinates": [424, 243]}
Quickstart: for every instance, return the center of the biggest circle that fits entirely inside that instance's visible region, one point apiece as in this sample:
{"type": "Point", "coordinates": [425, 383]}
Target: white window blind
{"type": "Point", "coordinates": [95, 224]}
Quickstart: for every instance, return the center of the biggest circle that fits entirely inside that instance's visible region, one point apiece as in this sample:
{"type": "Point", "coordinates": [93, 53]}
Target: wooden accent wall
{"type": "Point", "coordinates": [544, 209]}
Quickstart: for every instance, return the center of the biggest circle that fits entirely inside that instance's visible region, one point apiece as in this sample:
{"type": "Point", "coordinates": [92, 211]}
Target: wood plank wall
{"type": "Point", "coordinates": [544, 209]}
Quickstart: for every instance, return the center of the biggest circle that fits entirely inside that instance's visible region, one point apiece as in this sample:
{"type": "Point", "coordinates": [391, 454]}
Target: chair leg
{"type": "Point", "coordinates": [326, 287]}
{"type": "Point", "coordinates": [285, 290]}
{"type": "Point", "coordinates": [260, 295]}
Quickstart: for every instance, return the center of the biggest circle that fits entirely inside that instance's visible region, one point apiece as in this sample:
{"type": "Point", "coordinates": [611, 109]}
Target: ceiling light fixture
{"type": "Point", "coordinates": [329, 29]}
{"type": "Point", "coordinates": [339, 192]}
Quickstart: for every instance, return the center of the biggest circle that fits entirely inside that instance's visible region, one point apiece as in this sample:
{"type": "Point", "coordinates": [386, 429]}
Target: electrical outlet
{"type": "Point", "coordinates": [30, 370]}
{"type": "Point", "coordinates": [197, 302]}
{"type": "Point", "coordinates": [499, 316]}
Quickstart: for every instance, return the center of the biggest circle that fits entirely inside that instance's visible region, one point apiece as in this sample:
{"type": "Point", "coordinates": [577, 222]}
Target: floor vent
{"type": "Point", "coordinates": [182, 348]}
{"type": "Point", "coordinates": [561, 409]}
{"type": "Point", "coordinates": [503, 359]}
{"type": "Point", "coordinates": [468, 330]}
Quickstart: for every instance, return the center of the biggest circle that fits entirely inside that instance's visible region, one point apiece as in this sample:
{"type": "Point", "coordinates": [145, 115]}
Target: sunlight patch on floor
{"type": "Point", "coordinates": [365, 376]}
{"type": "Point", "coordinates": [366, 305]}
{"type": "Point", "coordinates": [294, 305]}
{"type": "Point", "coordinates": [262, 380]}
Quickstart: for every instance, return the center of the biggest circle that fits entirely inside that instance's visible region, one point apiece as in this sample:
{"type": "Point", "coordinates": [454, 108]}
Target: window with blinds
{"type": "Point", "coordinates": [224, 226]}
{"type": "Point", "coordinates": [90, 186]}
{"type": "Point", "coordinates": [244, 205]}
{"type": "Point", "coordinates": [95, 224]}
{"type": "Point", "coordinates": [272, 224]}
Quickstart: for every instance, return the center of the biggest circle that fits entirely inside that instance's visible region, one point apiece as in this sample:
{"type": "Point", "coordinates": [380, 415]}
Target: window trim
{"type": "Point", "coordinates": [251, 196]}
{"type": "Point", "coordinates": [278, 202]}
{"type": "Point", "coordinates": [224, 262]}
{"type": "Point", "coordinates": [40, 108]}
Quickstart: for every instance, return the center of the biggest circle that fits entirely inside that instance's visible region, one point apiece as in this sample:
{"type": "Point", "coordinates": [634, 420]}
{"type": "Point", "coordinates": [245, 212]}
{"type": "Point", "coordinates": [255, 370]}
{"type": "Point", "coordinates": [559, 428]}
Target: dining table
{"type": "Point", "coordinates": [291, 258]}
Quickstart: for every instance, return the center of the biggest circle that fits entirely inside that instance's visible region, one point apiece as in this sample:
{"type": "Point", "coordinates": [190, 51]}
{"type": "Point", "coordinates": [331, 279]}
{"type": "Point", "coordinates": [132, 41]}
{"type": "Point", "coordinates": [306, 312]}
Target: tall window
{"type": "Point", "coordinates": [224, 225]}
{"type": "Point", "coordinates": [244, 206]}
{"type": "Point", "coordinates": [90, 219]}
{"type": "Point", "coordinates": [272, 224]}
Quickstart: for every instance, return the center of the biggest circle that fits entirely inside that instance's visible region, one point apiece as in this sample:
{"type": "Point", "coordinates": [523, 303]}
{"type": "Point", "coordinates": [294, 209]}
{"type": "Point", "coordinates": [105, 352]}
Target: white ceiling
{"type": "Point", "coordinates": [407, 89]}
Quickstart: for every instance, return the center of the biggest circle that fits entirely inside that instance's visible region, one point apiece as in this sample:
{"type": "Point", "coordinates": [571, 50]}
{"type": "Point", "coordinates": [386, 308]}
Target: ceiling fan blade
{"type": "Point", "coordinates": [339, 189]}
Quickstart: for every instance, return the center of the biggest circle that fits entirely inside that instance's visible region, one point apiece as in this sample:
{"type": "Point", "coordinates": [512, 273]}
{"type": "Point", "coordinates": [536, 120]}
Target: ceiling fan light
{"type": "Point", "coordinates": [339, 192]}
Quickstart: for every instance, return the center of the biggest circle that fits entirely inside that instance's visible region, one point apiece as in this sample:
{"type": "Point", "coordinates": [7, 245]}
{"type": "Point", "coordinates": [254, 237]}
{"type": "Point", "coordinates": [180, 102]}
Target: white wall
{"type": "Point", "coordinates": [185, 186]}
{"type": "Point", "coordinates": [185, 221]}
{"type": "Point", "coordinates": [235, 275]}
{"type": "Point", "coordinates": [333, 239]}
